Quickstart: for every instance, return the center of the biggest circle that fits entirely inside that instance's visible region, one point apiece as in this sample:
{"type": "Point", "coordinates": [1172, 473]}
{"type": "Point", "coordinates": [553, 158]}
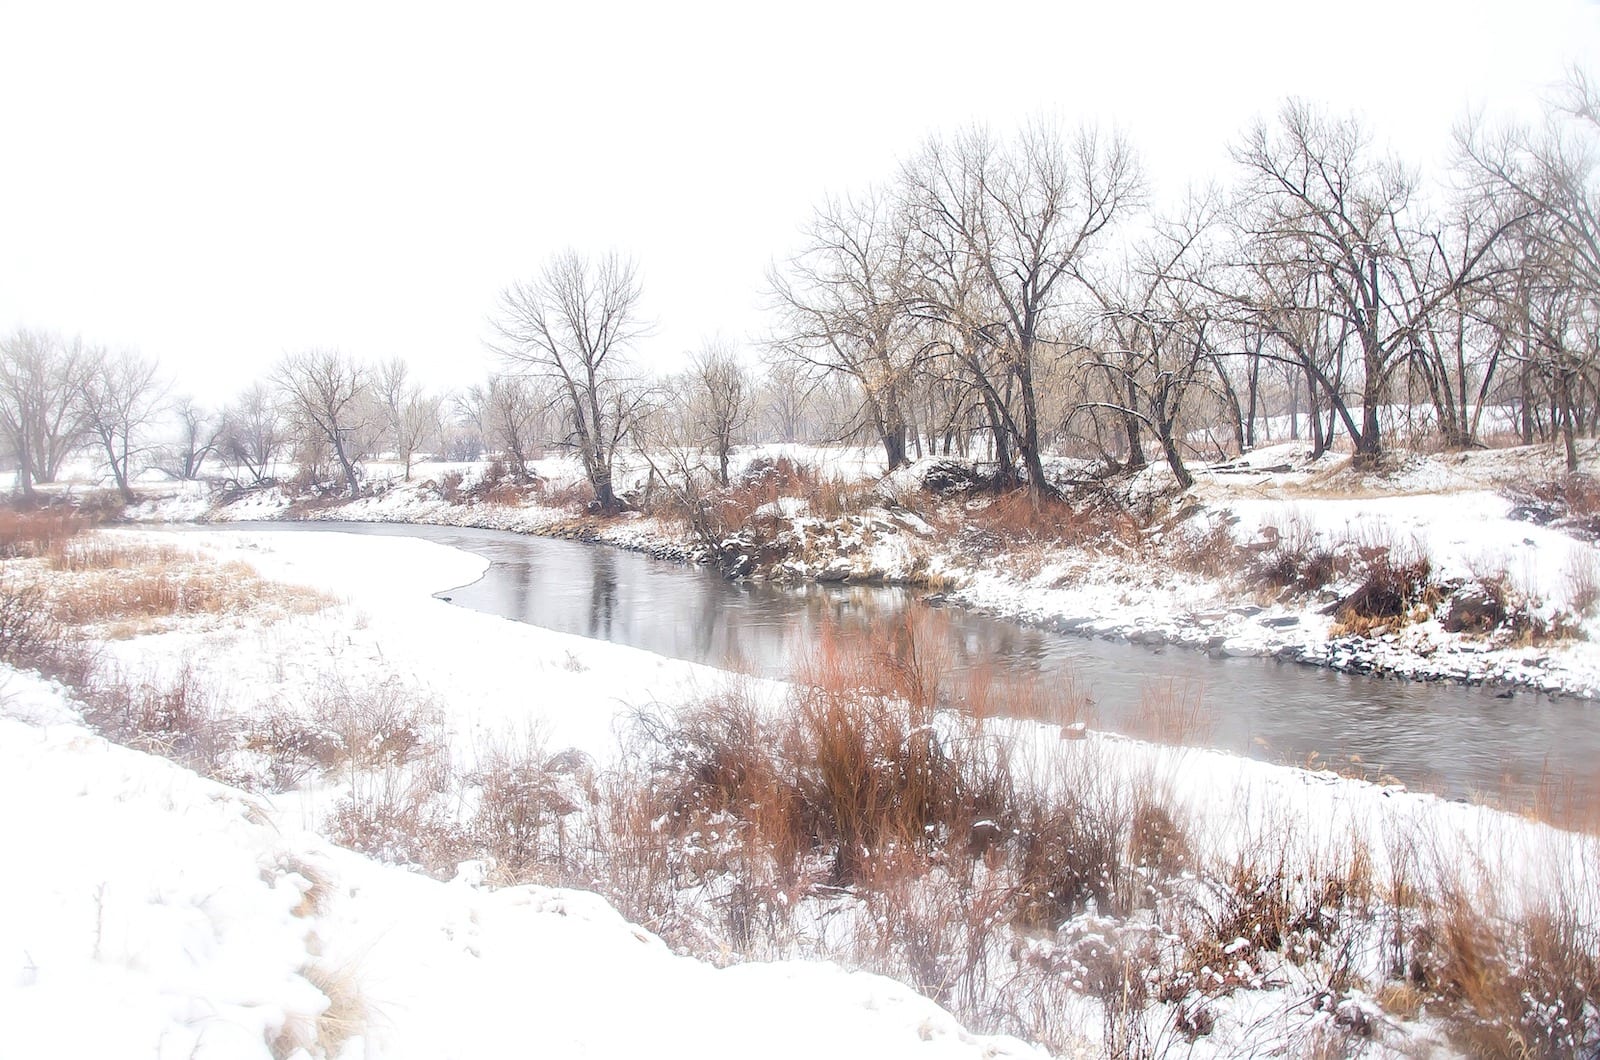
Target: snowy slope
{"type": "Point", "coordinates": [153, 913]}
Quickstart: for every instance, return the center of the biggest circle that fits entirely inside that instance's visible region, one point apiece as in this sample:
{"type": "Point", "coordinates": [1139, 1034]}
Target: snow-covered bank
{"type": "Point", "coordinates": [1444, 509]}
{"type": "Point", "coordinates": [163, 915]}
{"type": "Point", "coordinates": [407, 956]}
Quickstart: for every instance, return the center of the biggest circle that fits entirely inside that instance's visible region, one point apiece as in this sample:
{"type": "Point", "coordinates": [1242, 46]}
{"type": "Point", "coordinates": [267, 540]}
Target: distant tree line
{"type": "Point", "coordinates": [1017, 295]}
{"type": "Point", "coordinates": [1004, 298]}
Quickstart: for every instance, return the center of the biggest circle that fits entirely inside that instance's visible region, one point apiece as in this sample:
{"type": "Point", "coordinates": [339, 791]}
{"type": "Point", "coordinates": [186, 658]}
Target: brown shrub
{"type": "Point", "coordinates": [524, 798]}
{"type": "Point", "coordinates": [1571, 502]}
{"type": "Point", "coordinates": [29, 633]}
{"type": "Point", "coordinates": [577, 494]}
{"type": "Point", "coordinates": [174, 717]}
{"type": "Point", "coordinates": [1397, 588]}
{"type": "Point", "coordinates": [399, 804]}
{"type": "Point", "coordinates": [1020, 519]}
{"type": "Point", "coordinates": [1293, 557]}
{"type": "Point", "coordinates": [1211, 552]}
{"type": "Point", "coordinates": [1581, 579]}
{"type": "Point", "coordinates": [293, 746]}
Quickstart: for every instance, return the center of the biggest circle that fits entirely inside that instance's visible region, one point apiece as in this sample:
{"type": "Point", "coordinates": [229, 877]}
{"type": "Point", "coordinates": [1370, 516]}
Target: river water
{"type": "Point", "coordinates": [1449, 738]}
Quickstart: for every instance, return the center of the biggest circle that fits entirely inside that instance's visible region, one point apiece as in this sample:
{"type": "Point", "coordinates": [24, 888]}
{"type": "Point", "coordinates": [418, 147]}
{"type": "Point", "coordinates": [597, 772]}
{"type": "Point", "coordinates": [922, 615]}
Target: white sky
{"type": "Point", "coordinates": [216, 184]}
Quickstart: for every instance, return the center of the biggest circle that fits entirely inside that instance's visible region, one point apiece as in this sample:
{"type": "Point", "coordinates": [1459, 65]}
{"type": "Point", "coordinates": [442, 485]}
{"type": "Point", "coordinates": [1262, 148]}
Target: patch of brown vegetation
{"type": "Point", "coordinates": [129, 587]}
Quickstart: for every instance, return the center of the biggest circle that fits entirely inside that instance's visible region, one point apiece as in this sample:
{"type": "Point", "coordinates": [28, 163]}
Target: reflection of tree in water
{"type": "Point", "coordinates": [705, 620]}
{"type": "Point", "coordinates": [603, 595]}
{"type": "Point", "coordinates": [519, 579]}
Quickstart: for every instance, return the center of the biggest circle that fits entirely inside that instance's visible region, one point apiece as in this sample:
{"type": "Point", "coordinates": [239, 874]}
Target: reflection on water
{"type": "Point", "coordinates": [1455, 739]}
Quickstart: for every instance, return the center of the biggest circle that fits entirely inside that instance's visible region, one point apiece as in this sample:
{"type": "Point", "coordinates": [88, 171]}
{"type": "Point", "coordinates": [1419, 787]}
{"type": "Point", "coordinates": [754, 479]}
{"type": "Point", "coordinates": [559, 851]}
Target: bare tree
{"type": "Point", "coordinates": [1157, 313]}
{"type": "Point", "coordinates": [1003, 231]}
{"type": "Point", "coordinates": [117, 400]}
{"type": "Point", "coordinates": [574, 324]}
{"type": "Point", "coordinates": [721, 401]}
{"type": "Point", "coordinates": [784, 398]}
{"type": "Point", "coordinates": [844, 311]}
{"type": "Point", "coordinates": [324, 391]}
{"type": "Point", "coordinates": [1326, 218]}
{"type": "Point", "coordinates": [1552, 176]}
{"type": "Point", "coordinates": [513, 416]}
{"type": "Point", "coordinates": [40, 376]}
{"type": "Point", "coordinates": [200, 434]}
{"type": "Point", "coordinates": [411, 418]}
{"type": "Point", "coordinates": [253, 432]}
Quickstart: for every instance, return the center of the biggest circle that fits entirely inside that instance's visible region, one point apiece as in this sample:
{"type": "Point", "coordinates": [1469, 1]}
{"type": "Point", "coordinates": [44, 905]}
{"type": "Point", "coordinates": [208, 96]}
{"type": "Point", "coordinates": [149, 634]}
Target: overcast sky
{"type": "Point", "coordinates": [217, 184]}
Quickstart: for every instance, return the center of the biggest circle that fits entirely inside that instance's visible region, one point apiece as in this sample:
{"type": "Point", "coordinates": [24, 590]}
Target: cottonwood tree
{"type": "Point", "coordinates": [512, 415]}
{"type": "Point", "coordinates": [200, 435]}
{"type": "Point", "coordinates": [783, 399]}
{"type": "Point", "coordinates": [253, 432]}
{"type": "Point", "coordinates": [574, 324]}
{"type": "Point", "coordinates": [118, 398]}
{"type": "Point", "coordinates": [1552, 174]}
{"type": "Point", "coordinates": [412, 418]}
{"type": "Point", "coordinates": [326, 393]}
{"type": "Point", "coordinates": [40, 376]}
{"type": "Point", "coordinates": [843, 310]}
{"type": "Point", "coordinates": [1002, 230]}
{"type": "Point", "coordinates": [721, 401]}
{"type": "Point", "coordinates": [1323, 217]}
{"type": "Point", "coordinates": [1158, 313]}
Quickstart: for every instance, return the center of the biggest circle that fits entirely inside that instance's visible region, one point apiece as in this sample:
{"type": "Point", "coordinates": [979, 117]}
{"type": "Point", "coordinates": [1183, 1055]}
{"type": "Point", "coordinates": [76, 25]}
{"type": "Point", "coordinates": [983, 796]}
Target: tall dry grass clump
{"type": "Point", "coordinates": [389, 750]}
{"type": "Point", "coordinates": [174, 716]}
{"type": "Point", "coordinates": [130, 586]}
{"type": "Point", "coordinates": [1173, 712]}
{"type": "Point", "coordinates": [1512, 978]}
{"type": "Point", "coordinates": [31, 533]}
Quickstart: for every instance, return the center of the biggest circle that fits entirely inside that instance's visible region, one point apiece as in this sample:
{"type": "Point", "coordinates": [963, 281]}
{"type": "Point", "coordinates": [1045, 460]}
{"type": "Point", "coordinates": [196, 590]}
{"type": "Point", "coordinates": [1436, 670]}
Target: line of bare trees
{"type": "Point", "coordinates": [1007, 298]}
{"type": "Point", "coordinates": [1013, 296]}
{"type": "Point", "coordinates": [326, 415]}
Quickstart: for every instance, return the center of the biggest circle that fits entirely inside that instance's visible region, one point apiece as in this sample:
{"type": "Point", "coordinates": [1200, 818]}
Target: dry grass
{"type": "Point", "coordinates": [576, 495]}
{"type": "Point", "coordinates": [174, 716]}
{"type": "Point", "coordinates": [524, 797]}
{"type": "Point", "coordinates": [1565, 799]}
{"type": "Point", "coordinates": [1017, 521]}
{"type": "Point", "coordinates": [402, 798]}
{"type": "Point", "coordinates": [128, 587]}
{"type": "Point", "coordinates": [1571, 502]}
{"type": "Point", "coordinates": [345, 1016]}
{"type": "Point", "coordinates": [1173, 712]}
{"type": "Point", "coordinates": [743, 507]}
{"type": "Point", "coordinates": [1581, 580]}
{"type": "Point", "coordinates": [31, 638]}
{"type": "Point", "coordinates": [1293, 556]}
{"type": "Point", "coordinates": [1513, 985]}
{"type": "Point", "coordinates": [37, 532]}
{"type": "Point", "coordinates": [991, 693]}
{"type": "Point", "coordinates": [1397, 588]}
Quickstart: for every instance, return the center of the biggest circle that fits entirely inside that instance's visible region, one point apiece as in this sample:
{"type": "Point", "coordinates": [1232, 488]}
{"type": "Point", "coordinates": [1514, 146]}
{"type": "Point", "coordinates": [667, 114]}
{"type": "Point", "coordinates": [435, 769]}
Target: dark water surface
{"type": "Point", "coordinates": [1450, 738]}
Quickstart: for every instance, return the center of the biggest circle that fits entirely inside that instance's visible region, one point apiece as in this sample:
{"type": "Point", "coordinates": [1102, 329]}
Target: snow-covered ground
{"type": "Point", "coordinates": [191, 919]}
{"type": "Point", "coordinates": [1447, 509]}
{"type": "Point", "coordinates": [156, 913]}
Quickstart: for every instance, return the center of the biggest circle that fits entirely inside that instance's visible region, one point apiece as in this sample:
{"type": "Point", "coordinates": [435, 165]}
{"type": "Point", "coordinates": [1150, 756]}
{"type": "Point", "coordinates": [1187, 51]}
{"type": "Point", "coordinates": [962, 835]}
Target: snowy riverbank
{"type": "Point", "coordinates": [1451, 511]}
{"type": "Point", "coordinates": [209, 921]}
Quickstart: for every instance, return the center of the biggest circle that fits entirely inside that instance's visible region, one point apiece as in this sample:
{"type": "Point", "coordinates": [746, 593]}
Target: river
{"type": "Point", "coordinates": [1454, 739]}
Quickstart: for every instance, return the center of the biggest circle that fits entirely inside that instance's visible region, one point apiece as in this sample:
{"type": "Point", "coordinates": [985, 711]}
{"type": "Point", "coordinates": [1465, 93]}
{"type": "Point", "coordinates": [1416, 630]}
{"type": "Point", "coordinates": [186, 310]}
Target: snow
{"type": "Point", "coordinates": [170, 916]}
{"type": "Point", "coordinates": [195, 920]}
